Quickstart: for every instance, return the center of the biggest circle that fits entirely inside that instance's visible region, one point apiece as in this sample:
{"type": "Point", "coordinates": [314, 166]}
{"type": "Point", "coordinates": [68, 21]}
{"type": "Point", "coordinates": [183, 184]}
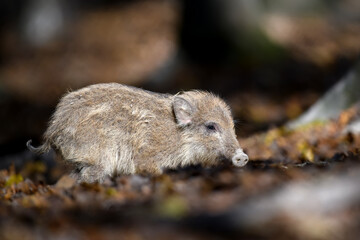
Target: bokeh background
{"type": "Point", "coordinates": [269, 59]}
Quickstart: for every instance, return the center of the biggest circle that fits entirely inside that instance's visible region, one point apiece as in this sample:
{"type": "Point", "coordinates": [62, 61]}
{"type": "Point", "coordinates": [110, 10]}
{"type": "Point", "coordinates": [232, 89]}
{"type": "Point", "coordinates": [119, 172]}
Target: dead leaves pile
{"type": "Point", "coordinates": [199, 203]}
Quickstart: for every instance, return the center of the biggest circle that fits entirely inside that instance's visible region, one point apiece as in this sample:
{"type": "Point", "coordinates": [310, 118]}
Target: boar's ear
{"type": "Point", "coordinates": [183, 111]}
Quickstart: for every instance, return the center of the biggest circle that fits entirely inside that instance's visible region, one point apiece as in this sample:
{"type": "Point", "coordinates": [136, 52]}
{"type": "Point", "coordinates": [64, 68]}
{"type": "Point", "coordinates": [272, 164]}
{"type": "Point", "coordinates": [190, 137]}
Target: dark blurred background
{"type": "Point", "coordinates": [269, 59]}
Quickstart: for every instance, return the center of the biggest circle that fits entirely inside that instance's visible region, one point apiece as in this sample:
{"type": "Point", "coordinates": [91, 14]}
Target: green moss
{"type": "Point", "coordinates": [14, 179]}
{"type": "Point", "coordinates": [173, 206]}
{"type": "Point", "coordinates": [110, 192]}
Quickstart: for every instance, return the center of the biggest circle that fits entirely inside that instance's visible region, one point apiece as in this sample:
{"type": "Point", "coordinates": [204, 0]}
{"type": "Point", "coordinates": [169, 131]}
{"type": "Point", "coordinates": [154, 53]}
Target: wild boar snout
{"type": "Point", "coordinates": [240, 158]}
{"type": "Point", "coordinates": [233, 151]}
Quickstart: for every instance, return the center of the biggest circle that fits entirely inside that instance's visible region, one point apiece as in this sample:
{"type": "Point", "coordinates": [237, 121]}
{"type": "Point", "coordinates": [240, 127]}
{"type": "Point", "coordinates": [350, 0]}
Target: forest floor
{"type": "Point", "coordinates": [299, 184]}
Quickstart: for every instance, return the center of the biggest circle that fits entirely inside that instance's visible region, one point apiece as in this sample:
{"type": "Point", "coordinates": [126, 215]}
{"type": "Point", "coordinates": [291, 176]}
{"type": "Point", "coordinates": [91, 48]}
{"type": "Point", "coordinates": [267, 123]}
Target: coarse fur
{"type": "Point", "coordinates": [109, 129]}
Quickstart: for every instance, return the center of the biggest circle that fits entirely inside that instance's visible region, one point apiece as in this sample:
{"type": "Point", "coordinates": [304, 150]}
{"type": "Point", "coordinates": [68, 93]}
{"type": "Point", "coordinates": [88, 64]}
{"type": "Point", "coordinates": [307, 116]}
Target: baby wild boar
{"type": "Point", "coordinates": [108, 129]}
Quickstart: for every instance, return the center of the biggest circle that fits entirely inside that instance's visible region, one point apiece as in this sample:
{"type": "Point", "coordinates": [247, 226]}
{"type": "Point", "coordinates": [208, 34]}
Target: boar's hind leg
{"type": "Point", "coordinates": [89, 173]}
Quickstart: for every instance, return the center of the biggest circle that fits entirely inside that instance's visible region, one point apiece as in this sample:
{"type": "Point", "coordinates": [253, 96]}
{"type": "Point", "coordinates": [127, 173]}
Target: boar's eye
{"type": "Point", "coordinates": [212, 127]}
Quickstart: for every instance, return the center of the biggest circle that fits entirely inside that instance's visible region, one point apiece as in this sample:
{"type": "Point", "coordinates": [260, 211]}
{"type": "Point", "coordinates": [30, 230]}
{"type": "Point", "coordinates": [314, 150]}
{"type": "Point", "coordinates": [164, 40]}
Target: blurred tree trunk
{"type": "Point", "coordinates": [343, 95]}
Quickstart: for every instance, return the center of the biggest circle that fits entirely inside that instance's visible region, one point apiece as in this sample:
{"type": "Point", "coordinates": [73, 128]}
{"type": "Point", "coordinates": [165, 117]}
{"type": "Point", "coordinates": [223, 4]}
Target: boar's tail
{"type": "Point", "coordinates": [41, 149]}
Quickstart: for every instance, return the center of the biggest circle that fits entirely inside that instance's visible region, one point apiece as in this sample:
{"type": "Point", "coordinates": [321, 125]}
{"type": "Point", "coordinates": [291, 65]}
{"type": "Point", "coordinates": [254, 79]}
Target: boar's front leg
{"type": "Point", "coordinates": [149, 167]}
